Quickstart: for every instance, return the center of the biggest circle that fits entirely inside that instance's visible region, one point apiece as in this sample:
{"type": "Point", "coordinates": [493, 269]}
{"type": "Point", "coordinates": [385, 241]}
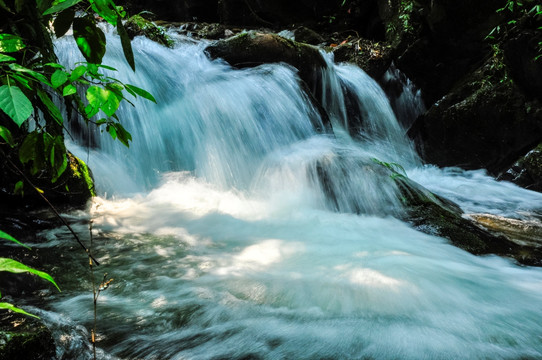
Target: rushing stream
{"type": "Point", "coordinates": [224, 243]}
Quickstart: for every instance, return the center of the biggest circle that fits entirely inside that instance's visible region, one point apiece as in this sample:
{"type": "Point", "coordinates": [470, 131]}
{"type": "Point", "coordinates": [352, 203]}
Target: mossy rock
{"type": "Point", "coordinates": [139, 26]}
{"type": "Point", "coordinates": [24, 338]}
{"type": "Point", "coordinates": [373, 57]}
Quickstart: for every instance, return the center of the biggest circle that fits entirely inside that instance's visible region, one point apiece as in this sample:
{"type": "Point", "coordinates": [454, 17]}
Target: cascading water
{"type": "Point", "coordinates": [224, 242]}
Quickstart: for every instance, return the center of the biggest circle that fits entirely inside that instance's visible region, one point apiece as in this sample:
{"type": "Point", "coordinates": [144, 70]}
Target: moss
{"type": "Point", "coordinates": [81, 171]}
{"type": "Point", "coordinates": [137, 25]}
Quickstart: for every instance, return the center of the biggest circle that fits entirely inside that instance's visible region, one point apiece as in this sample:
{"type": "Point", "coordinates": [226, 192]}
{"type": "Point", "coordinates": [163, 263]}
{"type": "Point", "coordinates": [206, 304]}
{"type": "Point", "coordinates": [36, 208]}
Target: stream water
{"type": "Point", "coordinates": [224, 243]}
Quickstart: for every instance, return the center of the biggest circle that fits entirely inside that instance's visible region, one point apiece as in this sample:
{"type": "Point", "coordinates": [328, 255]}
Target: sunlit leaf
{"type": "Point", "coordinates": [8, 306]}
{"type": "Point", "coordinates": [11, 43]}
{"type": "Point", "coordinates": [6, 236]}
{"type": "Point", "coordinates": [58, 78]}
{"type": "Point", "coordinates": [69, 90]}
{"type": "Point", "coordinates": [106, 9]}
{"type": "Point", "coordinates": [19, 188]}
{"type": "Point", "coordinates": [4, 58]}
{"type": "Point", "coordinates": [15, 104]}
{"type": "Point", "coordinates": [62, 5]}
{"type": "Point", "coordinates": [141, 92]}
{"type": "Point", "coordinates": [77, 72]}
{"type": "Point", "coordinates": [6, 135]}
{"type": "Point", "coordinates": [16, 267]}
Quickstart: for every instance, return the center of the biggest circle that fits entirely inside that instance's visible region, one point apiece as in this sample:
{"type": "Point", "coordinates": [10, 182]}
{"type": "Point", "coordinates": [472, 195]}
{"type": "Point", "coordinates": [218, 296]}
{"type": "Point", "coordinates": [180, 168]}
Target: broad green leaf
{"type": "Point", "coordinates": [62, 5]}
{"type": "Point", "coordinates": [77, 72]}
{"type": "Point", "coordinates": [63, 22]}
{"type": "Point", "coordinates": [4, 58]}
{"type": "Point", "coordinates": [8, 306]}
{"type": "Point", "coordinates": [6, 236]}
{"type": "Point", "coordinates": [89, 38]}
{"type": "Point", "coordinates": [16, 267]}
{"type": "Point", "coordinates": [11, 43]}
{"type": "Point", "coordinates": [15, 104]}
{"type": "Point", "coordinates": [52, 109]}
{"type": "Point", "coordinates": [58, 78]}
{"type": "Point", "coordinates": [141, 92]}
{"type": "Point", "coordinates": [36, 75]}
{"type": "Point", "coordinates": [123, 135]}
{"type": "Point", "coordinates": [126, 44]}
{"type": "Point", "coordinates": [32, 150]}
{"type": "Point", "coordinates": [106, 9]}
{"type": "Point", "coordinates": [111, 103]}
{"type": "Point", "coordinates": [96, 96]}
{"type": "Point", "coordinates": [112, 131]}
{"type": "Point", "coordinates": [69, 90]}
{"type": "Point", "coordinates": [6, 135]}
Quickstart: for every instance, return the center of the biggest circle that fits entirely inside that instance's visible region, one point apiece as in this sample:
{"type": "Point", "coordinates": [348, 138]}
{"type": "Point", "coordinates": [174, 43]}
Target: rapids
{"type": "Point", "coordinates": [223, 243]}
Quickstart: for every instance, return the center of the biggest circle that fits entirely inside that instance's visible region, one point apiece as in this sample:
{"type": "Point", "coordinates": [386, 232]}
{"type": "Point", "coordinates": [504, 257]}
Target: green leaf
{"type": "Point", "coordinates": [106, 9]}
{"type": "Point", "coordinates": [19, 5]}
{"type": "Point", "coordinates": [11, 43]}
{"type": "Point", "coordinates": [6, 236]}
{"type": "Point", "coordinates": [54, 65]}
{"type": "Point", "coordinates": [126, 44]}
{"type": "Point", "coordinates": [141, 92]}
{"type": "Point", "coordinates": [8, 306]}
{"type": "Point", "coordinates": [19, 188]}
{"type": "Point", "coordinates": [58, 78]}
{"type": "Point", "coordinates": [16, 267]}
{"type": "Point", "coordinates": [52, 109]}
{"type": "Point", "coordinates": [62, 5]}
{"type": "Point", "coordinates": [36, 75]}
{"type": "Point", "coordinates": [4, 58]}
{"type": "Point", "coordinates": [69, 90]}
{"type": "Point", "coordinates": [15, 104]}
{"type": "Point", "coordinates": [6, 135]}
{"type": "Point", "coordinates": [22, 80]}
{"type": "Point", "coordinates": [89, 38]}
{"type": "Point", "coordinates": [58, 158]}
{"type": "Point", "coordinates": [63, 22]}
{"type": "Point", "coordinates": [123, 135]}
{"type": "Point", "coordinates": [77, 72]}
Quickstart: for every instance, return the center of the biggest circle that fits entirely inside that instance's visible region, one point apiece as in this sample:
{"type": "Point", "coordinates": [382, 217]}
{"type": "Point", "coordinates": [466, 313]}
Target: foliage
{"type": "Point", "coordinates": [15, 267]}
{"type": "Point", "coordinates": [513, 11]}
{"type": "Point", "coordinates": [32, 82]}
{"type": "Point", "coordinates": [398, 171]}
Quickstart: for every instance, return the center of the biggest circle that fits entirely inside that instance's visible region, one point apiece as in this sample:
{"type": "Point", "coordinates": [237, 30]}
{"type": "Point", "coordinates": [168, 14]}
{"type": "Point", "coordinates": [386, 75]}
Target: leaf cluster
{"type": "Point", "coordinates": [32, 82]}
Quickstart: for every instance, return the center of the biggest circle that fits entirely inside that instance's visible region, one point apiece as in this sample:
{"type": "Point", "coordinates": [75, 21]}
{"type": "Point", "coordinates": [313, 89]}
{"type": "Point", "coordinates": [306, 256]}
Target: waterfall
{"type": "Point", "coordinates": [236, 229]}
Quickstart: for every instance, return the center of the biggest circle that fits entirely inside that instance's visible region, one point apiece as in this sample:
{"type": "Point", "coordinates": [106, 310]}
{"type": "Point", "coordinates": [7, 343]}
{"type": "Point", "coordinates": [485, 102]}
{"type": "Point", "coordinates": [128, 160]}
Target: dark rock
{"type": "Point", "coordinates": [484, 122]}
{"type": "Point", "coordinates": [253, 49]}
{"type": "Point", "coordinates": [435, 215]}
{"type": "Point", "coordinates": [74, 188]}
{"type": "Point", "coordinates": [373, 57]}
{"type": "Point", "coordinates": [24, 338]}
{"type": "Point", "coordinates": [308, 36]}
{"type": "Point", "coordinates": [527, 171]}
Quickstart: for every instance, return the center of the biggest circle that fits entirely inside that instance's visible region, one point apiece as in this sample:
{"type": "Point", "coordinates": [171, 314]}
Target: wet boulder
{"type": "Point", "coordinates": [527, 171]}
{"type": "Point", "coordinates": [252, 48]}
{"type": "Point", "coordinates": [434, 215]}
{"type": "Point", "coordinates": [486, 121]}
